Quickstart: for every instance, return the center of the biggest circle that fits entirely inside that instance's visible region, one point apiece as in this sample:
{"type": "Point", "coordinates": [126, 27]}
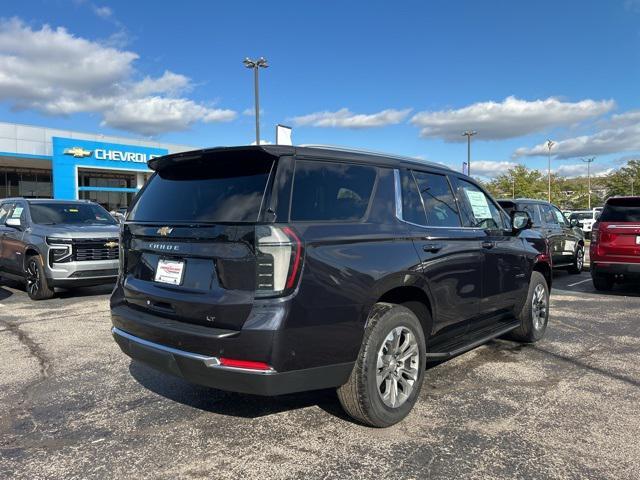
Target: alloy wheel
{"type": "Point", "coordinates": [33, 277]}
{"type": "Point", "coordinates": [397, 366]}
{"type": "Point", "coordinates": [580, 259]}
{"type": "Point", "coordinates": [539, 307]}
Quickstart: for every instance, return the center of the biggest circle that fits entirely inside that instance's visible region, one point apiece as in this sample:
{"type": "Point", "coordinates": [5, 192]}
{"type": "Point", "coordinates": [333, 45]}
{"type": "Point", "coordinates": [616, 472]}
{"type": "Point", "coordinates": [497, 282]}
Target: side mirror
{"type": "Point", "coordinates": [520, 221]}
{"type": "Point", "coordinates": [573, 222]}
{"type": "Point", "coordinates": [13, 222]}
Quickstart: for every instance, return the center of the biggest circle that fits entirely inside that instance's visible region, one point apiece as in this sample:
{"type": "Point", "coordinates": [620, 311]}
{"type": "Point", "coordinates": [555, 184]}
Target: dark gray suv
{"type": "Point", "coordinates": [57, 243]}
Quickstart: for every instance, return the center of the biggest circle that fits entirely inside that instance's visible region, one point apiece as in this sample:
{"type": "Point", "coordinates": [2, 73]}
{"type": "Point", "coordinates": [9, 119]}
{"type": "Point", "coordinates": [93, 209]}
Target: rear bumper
{"type": "Point", "coordinates": [615, 268]}
{"type": "Point", "coordinates": [206, 370]}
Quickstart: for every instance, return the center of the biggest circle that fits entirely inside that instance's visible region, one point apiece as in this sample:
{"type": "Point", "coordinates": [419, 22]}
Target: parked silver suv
{"type": "Point", "coordinates": [57, 243]}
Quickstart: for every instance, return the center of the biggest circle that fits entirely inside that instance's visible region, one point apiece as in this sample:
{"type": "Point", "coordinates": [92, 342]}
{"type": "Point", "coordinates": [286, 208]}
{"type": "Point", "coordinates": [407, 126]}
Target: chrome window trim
{"type": "Point", "coordinates": [629, 227]}
{"type": "Point", "coordinates": [212, 362]}
{"type": "Point", "coordinates": [398, 200]}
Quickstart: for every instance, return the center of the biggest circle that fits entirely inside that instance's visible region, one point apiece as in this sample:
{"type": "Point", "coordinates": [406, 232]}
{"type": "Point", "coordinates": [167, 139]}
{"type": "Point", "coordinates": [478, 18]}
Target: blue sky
{"type": "Point", "coordinates": [405, 77]}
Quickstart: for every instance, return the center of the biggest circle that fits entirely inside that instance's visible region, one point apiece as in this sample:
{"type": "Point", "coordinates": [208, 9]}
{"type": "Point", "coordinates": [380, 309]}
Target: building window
{"type": "Point", "coordinates": [22, 182]}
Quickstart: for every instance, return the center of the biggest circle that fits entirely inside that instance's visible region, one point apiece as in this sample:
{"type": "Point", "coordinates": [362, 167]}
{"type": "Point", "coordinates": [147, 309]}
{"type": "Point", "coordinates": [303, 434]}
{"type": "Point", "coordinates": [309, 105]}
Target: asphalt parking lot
{"type": "Point", "coordinates": [72, 406]}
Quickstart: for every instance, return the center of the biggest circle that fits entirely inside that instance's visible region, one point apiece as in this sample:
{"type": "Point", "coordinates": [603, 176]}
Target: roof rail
{"type": "Point", "coordinates": [373, 152]}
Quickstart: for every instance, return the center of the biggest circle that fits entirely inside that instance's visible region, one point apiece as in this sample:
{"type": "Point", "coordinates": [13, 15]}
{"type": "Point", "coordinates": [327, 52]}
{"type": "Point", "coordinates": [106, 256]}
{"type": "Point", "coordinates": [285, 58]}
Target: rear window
{"type": "Point", "coordinates": [326, 191]}
{"type": "Point", "coordinates": [70, 214]}
{"type": "Point", "coordinates": [621, 210]}
{"type": "Point", "coordinates": [205, 191]}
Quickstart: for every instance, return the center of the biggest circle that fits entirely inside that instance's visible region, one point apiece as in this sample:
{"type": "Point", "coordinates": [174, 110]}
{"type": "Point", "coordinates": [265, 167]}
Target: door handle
{"type": "Point", "coordinates": [432, 247]}
{"type": "Point", "coordinates": [488, 244]}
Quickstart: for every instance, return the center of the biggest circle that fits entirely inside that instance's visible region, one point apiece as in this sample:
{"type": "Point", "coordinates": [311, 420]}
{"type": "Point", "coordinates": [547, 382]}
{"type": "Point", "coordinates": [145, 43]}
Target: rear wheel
{"type": "Point", "coordinates": [601, 281]}
{"type": "Point", "coordinates": [37, 285]}
{"type": "Point", "coordinates": [535, 313]}
{"type": "Point", "coordinates": [387, 377]}
{"type": "Point", "coordinates": [578, 261]}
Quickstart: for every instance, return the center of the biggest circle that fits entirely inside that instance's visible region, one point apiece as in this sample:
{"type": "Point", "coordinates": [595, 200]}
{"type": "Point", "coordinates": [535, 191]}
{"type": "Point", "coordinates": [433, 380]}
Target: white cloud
{"type": "Point", "coordinates": [490, 168]}
{"type": "Point", "coordinates": [604, 142]}
{"type": "Point", "coordinates": [580, 170]}
{"type": "Point", "coordinates": [154, 115]}
{"type": "Point", "coordinates": [344, 118]}
{"type": "Point", "coordinates": [510, 118]}
{"type": "Point", "coordinates": [251, 112]}
{"type": "Point", "coordinates": [54, 72]}
{"type": "Point", "coordinates": [262, 142]}
{"type": "Point", "coordinates": [102, 12]}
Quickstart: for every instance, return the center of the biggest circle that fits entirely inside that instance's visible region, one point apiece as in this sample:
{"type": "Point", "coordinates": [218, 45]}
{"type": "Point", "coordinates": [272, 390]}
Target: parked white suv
{"type": "Point", "coordinates": [586, 219]}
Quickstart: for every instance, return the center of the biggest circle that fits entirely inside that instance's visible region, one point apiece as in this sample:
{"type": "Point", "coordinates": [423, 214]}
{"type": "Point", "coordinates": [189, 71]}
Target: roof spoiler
{"type": "Point", "coordinates": [166, 161]}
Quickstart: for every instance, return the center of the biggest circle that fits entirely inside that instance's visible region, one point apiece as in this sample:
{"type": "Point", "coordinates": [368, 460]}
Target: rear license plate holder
{"type": "Point", "coordinates": [169, 271]}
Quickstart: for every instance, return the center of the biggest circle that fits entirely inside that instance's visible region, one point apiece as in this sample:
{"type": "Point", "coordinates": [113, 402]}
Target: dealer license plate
{"type": "Point", "coordinates": [169, 271]}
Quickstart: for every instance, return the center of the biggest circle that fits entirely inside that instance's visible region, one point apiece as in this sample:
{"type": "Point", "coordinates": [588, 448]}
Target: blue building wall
{"type": "Point", "coordinates": [70, 154]}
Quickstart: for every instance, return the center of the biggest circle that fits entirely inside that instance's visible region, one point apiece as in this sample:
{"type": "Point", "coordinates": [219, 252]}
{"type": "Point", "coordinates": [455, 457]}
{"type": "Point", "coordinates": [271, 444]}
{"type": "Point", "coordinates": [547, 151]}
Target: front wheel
{"type": "Point", "coordinates": [535, 312]}
{"type": "Point", "coordinates": [387, 377]}
{"type": "Point", "coordinates": [37, 285]}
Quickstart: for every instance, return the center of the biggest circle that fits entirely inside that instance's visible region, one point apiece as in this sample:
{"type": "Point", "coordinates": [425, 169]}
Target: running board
{"type": "Point", "coordinates": [454, 348]}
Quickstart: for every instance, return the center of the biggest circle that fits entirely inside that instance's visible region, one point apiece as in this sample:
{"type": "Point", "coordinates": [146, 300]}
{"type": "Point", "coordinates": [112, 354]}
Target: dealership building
{"type": "Point", "coordinates": [41, 162]}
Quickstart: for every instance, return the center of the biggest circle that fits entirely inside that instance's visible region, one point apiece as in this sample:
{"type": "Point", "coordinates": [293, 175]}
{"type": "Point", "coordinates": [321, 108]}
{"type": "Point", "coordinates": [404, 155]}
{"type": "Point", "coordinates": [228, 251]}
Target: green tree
{"type": "Point", "coordinates": [619, 181]}
{"type": "Point", "coordinates": [519, 181]}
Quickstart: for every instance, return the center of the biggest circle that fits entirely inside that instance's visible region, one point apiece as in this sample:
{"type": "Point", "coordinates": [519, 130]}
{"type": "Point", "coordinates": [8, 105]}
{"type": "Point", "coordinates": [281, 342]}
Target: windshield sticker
{"type": "Point", "coordinates": [479, 204]}
{"type": "Point", "coordinates": [17, 212]}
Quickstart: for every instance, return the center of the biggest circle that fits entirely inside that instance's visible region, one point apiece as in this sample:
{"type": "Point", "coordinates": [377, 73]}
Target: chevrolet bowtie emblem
{"type": "Point", "coordinates": [77, 152]}
{"type": "Point", "coordinates": [111, 244]}
{"type": "Point", "coordinates": [164, 231]}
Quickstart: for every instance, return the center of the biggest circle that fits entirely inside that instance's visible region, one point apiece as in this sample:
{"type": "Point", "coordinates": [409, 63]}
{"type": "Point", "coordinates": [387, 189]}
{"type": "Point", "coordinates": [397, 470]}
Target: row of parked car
{"type": "Point", "coordinates": [273, 269]}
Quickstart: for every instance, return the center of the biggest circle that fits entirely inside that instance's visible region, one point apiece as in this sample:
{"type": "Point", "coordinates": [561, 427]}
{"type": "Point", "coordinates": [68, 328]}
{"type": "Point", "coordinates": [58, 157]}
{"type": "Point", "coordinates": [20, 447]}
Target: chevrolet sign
{"type": "Point", "coordinates": [77, 152]}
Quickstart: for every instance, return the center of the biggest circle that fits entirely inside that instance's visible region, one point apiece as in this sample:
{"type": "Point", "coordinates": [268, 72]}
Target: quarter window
{"type": "Point", "coordinates": [548, 215]}
{"type": "Point", "coordinates": [533, 212]}
{"type": "Point", "coordinates": [412, 208]}
{"type": "Point", "coordinates": [327, 191]}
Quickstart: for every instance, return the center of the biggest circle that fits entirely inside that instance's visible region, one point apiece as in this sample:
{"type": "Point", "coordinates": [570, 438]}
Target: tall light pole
{"type": "Point", "coordinates": [256, 65]}
{"type": "Point", "coordinates": [469, 134]}
{"type": "Point", "coordinates": [632, 180]}
{"type": "Point", "coordinates": [589, 162]}
{"type": "Point", "coordinates": [549, 145]}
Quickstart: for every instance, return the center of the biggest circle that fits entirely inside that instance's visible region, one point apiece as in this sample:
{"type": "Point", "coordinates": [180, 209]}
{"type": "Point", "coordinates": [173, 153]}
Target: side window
{"type": "Point", "coordinates": [479, 210]}
{"type": "Point", "coordinates": [4, 211]}
{"type": "Point", "coordinates": [559, 216]}
{"type": "Point", "coordinates": [547, 215]}
{"type": "Point", "coordinates": [412, 208]}
{"type": "Point", "coordinates": [534, 213]}
{"type": "Point", "coordinates": [326, 191]}
{"type": "Point", "coordinates": [437, 197]}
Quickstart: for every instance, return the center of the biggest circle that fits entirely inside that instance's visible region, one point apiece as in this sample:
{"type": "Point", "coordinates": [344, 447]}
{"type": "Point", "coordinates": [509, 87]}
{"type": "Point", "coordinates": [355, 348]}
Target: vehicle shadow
{"type": "Point", "coordinates": [85, 291]}
{"type": "Point", "coordinates": [229, 403]}
{"type": "Point", "coordinates": [4, 293]}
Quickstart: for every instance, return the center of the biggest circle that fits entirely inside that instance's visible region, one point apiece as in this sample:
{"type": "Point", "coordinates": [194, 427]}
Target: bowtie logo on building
{"type": "Point", "coordinates": [77, 152]}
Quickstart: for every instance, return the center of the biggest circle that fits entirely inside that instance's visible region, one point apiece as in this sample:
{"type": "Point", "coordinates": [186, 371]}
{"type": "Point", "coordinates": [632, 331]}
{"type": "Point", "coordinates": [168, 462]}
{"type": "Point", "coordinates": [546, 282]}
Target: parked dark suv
{"type": "Point", "coordinates": [566, 239]}
{"type": "Point", "coordinates": [272, 269]}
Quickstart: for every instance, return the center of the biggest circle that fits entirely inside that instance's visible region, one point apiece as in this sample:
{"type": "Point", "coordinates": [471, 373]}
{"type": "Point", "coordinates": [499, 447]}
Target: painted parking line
{"type": "Point", "coordinates": [578, 283]}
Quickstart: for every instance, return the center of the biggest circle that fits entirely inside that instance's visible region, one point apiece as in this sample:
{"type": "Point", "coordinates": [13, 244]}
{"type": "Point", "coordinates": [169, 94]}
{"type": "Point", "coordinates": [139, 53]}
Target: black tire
{"type": "Point", "coordinates": [36, 281]}
{"type": "Point", "coordinates": [531, 327]}
{"type": "Point", "coordinates": [602, 282]}
{"type": "Point", "coordinates": [578, 261]}
{"type": "Point", "coordinates": [361, 397]}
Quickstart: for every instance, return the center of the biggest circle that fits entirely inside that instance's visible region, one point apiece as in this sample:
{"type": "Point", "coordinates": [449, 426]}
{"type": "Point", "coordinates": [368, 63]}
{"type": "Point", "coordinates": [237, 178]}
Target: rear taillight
{"type": "Point", "coordinates": [595, 232]}
{"type": "Point", "coordinates": [279, 260]}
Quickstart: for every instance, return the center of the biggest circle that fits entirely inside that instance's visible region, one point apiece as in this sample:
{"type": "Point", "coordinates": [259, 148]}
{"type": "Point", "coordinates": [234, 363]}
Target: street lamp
{"type": "Point", "coordinates": [549, 144]}
{"type": "Point", "coordinates": [469, 134]}
{"type": "Point", "coordinates": [256, 65]}
{"type": "Point", "coordinates": [589, 162]}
